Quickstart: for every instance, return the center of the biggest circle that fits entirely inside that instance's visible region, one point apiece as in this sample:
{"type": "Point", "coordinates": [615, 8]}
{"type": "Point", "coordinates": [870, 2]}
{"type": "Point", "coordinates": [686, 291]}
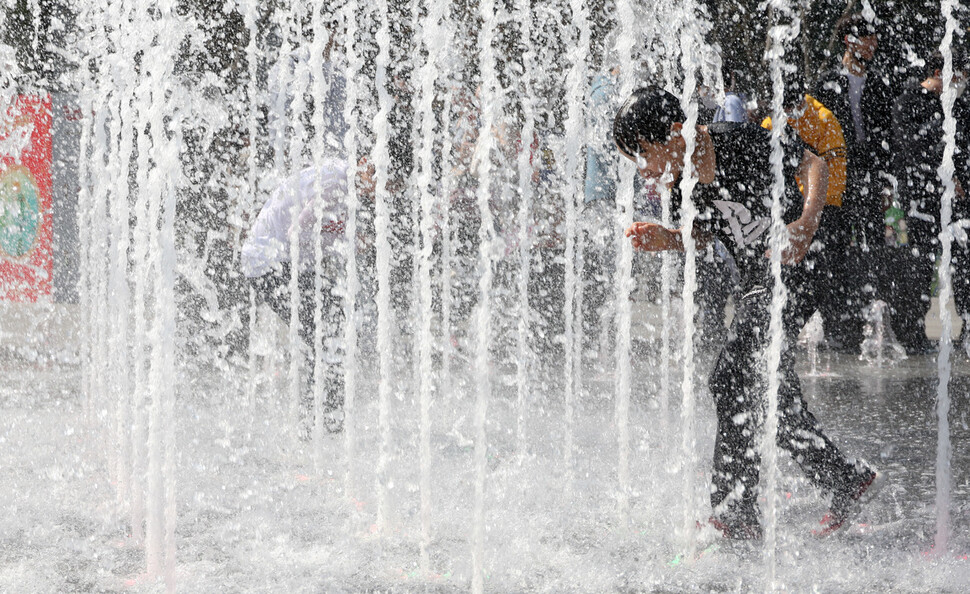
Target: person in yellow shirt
{"type": "Point", "coordinates": [829, 285]}
{"type": "Point", "coordinates": [818, 128]}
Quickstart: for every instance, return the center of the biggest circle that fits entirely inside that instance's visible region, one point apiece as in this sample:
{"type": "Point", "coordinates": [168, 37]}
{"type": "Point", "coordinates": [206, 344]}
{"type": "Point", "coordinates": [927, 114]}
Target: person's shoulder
{"type": "Point", "coordinates": [737, 130]}
{"type": "Point", "coordinates": [818, 108]}
{"type": "Point", "coordinates": [911, 95]}
{"type": "Point", "coordinates": [323, 174]}
{"type": "Point", "coordinates": [327, 166]}
{"type": "Point", "coordinates": [821, 116]}
{"type": "Point", "coordinates": [745, 139]}
{"type": "Point", "coordinates": [830, 83]}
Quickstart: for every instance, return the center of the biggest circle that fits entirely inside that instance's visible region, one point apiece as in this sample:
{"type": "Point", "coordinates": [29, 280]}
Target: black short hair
{"type": "Point", "coordinates": [647, 115]}
{"type": "Point", "coordinates": [935, 62]}
{"type": "Point", "coordinates": [855, 24]}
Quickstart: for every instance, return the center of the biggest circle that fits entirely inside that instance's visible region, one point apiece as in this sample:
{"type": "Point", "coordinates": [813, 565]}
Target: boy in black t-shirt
{"type": "Point", "coordinates": [733, 196]}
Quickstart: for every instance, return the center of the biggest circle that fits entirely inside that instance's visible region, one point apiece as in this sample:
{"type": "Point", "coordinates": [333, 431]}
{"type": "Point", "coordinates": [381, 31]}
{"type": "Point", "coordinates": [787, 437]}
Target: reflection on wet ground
{"type": "Point", "coordinates": [255, 514]}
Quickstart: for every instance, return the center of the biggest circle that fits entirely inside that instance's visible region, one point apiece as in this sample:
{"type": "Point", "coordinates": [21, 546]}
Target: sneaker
{"type": "Point", "coordinates": [736, 530]}
{"type": "Point", "coordinates": [333, 422]}
{"type": "Point", "coordinates": [847, 504]}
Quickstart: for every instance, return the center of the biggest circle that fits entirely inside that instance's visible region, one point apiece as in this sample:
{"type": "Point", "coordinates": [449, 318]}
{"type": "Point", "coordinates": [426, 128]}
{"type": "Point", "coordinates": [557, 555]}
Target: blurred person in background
{"type": "Point", "coordinates": [735, 106]}
{"type": "Point", "coordinates": [918, 144]}
{"type": "Point", "coordinates": [308, 208]}
{"type": "Point", "coordinates": [861, 99]}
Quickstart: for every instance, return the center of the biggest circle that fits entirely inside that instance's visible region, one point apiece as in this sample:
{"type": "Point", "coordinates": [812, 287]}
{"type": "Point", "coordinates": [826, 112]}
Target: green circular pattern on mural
{"type": "Point", "coordinates": [19, 211]}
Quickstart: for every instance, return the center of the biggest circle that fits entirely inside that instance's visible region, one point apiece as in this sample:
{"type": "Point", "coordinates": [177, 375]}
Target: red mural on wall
{"type": "Point", "coordinates": [26, 224]}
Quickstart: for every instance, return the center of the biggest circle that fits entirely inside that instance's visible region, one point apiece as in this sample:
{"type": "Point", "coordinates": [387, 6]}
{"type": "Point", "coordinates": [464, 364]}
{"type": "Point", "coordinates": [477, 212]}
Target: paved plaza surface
{"type": "Point", "coordinates": [257, 515]}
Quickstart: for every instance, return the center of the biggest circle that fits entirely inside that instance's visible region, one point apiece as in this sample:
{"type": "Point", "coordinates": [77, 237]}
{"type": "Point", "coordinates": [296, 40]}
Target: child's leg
{"type": "Point", "coordinates": [800, 433]}
{"type": "Point", "coordinates": [737, 386]}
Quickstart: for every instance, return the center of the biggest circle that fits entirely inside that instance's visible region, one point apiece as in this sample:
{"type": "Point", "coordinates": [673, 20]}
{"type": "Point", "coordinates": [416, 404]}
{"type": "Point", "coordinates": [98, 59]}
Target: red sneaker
{"type": "Point", "coordinates": [736, 530]}
{"type": "Point", "coordinates": [846, 505]}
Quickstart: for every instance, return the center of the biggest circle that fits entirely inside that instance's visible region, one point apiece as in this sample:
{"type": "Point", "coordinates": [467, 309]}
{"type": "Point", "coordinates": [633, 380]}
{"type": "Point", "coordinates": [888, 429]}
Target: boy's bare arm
{"type": "Point", "coordinates": [654, 237]}
{"type": "Point", "coordinates": [815, 174]}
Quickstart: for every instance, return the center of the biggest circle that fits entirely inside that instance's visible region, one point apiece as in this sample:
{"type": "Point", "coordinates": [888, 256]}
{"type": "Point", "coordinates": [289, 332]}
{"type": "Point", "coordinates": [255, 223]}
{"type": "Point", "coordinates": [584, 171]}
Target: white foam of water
{"type": "Point", "coordinates": [689, 37]}
{"type": "Point", "coordinates": [482, 165]}
{"type": "Point", "coordinates": [781, 34]}
{"type": "Point", "coordinates": [431, 38]}
{"type": "Point", "coordinates": [622, 282]}
{"type": "Point", "coordinates": [946, 173]}
{"type": "Point", "coordinates": [575, 141]}
{"type": "Point", "coordinates": [381, 155]}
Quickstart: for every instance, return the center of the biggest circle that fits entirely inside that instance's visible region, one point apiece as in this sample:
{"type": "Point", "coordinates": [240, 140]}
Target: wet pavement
{"type": "Point", "coordinates": [256, 514]}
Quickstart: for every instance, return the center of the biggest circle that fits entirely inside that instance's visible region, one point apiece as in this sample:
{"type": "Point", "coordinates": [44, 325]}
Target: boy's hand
{"type": "Point", "coordinates": [651, 237]}
{"type": "Point", "coordinates": [799, 241]}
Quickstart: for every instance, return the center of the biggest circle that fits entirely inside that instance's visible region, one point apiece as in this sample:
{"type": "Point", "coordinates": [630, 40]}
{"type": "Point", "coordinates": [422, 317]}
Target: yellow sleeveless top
{"type": "Point", "coordinates": [819, 129]}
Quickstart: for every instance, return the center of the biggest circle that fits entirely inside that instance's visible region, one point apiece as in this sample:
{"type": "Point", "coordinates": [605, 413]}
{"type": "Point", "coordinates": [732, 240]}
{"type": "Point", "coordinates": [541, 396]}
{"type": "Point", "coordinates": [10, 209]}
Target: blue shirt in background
{"type": "Point", "coordinates": [733, 109]}
{"type": "Point", "coordinates": [602, 158]}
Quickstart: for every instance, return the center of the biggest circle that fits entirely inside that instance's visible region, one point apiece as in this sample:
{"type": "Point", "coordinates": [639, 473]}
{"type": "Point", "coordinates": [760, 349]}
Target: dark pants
{"type": "Point", "coordinates": [739, 387]}
{"type": "Point", "coordinates": [273, 288]}
{"type": "Point", "coordinates": [717, 280]}
{"type": "Point", "coordinates": [908, 277]}
{"type": "Point", "coordinates": [833, 280]}
{"type": "Point", "coordinates": [907, 274]}
{"type": "Point", "coordinates": [960, 277]}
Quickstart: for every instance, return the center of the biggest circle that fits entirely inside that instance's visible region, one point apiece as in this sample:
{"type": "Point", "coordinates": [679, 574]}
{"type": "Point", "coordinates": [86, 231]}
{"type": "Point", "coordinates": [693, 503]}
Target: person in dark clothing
{"type": "Point", "coordinates": [824, 267]}
{"type": "Point", "coordinates": [733, 195]}
{"type": "Point", "coordinates": [918, 145]}
{"type": "Point", "coordinates": [861, 99]}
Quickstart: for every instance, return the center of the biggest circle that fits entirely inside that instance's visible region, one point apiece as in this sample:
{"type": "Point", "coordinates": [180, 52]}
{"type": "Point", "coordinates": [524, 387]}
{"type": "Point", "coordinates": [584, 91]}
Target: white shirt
{"type": "Point", "coordinates": [290, 213]}
{"type": "Point", "coordinates": [856, 86]}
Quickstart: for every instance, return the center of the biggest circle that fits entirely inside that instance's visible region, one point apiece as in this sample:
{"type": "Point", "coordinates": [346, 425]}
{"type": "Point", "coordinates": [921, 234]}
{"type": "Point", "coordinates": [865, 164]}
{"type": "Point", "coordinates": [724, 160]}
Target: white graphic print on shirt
{"type": "Point", "coordinates": [745, 230]}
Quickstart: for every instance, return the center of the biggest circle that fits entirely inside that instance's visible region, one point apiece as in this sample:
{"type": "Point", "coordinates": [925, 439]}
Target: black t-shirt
{"type": "Point", "coordinates": [736, 207]}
